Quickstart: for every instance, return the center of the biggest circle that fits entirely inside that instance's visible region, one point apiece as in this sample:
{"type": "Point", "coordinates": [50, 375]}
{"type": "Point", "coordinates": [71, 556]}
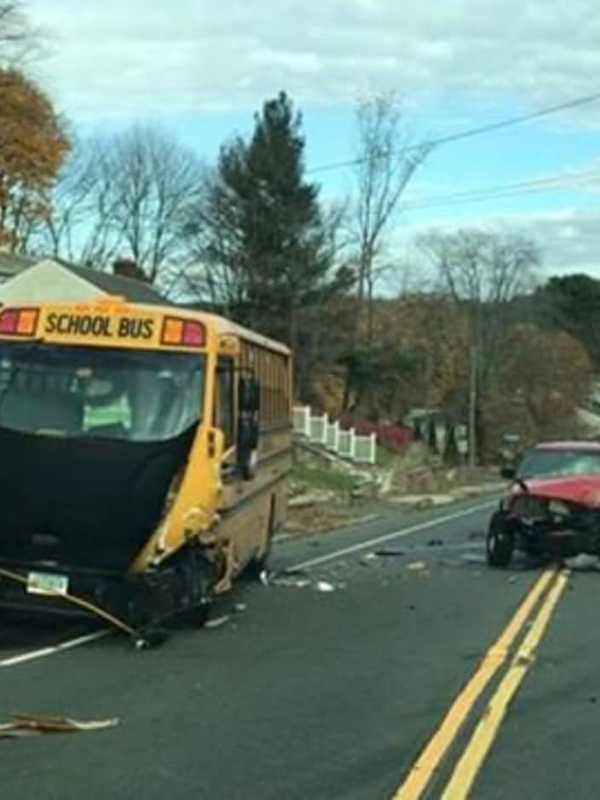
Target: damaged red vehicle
{"type": "Point", "coordinates": [552, 508]}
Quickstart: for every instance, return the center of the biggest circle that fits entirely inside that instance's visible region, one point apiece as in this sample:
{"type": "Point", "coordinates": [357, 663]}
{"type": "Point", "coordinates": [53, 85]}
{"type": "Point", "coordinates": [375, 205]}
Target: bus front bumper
{"type": "Point", "coordinates": [135, 600]}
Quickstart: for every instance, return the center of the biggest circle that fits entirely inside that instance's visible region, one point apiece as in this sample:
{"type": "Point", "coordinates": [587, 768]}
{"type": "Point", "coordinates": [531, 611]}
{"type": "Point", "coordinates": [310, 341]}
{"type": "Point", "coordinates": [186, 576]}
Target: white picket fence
{"type": "Point", "coordinates": [347, 444]}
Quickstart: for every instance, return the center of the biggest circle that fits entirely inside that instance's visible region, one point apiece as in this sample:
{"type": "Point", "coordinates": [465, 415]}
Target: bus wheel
{"type": "Point", "coordinates": [258, 565]}
{"type": "Point", "coordinates": [197, 616]}
{"type": "Point", "coordinates": [199, 579]}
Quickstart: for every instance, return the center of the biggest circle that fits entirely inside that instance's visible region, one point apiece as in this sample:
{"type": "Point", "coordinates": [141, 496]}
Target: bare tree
{"type": "Point", "coordinates": [484, 273]}
{"type": "Point", "coordinates": [155, 180]}
{"type": "Point", "coordinates": [19, 40]}
{"type": "Point", "coordinates": [79, 226]}
{"type": "Point", "coordinates": [387, 159]}
{"type": "Point", "coordinates": [124, 196]}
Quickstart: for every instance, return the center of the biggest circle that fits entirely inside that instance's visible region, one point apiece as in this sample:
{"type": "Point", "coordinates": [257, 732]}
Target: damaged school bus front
{"type": "Point", "coordinates": [99, 413]}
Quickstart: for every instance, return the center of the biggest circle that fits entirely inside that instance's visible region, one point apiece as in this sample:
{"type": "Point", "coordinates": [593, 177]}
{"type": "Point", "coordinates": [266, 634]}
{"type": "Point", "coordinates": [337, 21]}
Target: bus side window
{"type": "Point", "coordinates": [225, 400]}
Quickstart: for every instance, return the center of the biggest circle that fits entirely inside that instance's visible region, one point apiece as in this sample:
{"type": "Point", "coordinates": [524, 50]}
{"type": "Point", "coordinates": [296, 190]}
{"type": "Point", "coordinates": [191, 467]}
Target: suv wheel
{"type": "Point", "coordinates": [500, 542]}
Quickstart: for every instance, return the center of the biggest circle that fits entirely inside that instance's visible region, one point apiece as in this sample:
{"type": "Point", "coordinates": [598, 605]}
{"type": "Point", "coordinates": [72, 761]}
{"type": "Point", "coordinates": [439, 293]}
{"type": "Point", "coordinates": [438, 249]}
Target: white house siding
{"type": "Point", "coordinates": [47, 282]}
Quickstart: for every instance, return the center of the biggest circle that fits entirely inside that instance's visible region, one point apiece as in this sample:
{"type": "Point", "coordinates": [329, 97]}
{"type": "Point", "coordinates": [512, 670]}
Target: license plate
{"type": "Point", "coordinates": [47, 583]}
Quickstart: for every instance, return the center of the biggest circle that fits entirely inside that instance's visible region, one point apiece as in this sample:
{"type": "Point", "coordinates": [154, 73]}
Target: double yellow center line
{"type": "Point", "coordinates": [549, 586]}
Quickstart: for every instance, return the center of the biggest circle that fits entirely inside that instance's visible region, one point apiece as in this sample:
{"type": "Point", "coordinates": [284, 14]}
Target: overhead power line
{"type": "Point", "coordinates": [505, 190]}
{"type": "Point", "coordinates": [466, 134]}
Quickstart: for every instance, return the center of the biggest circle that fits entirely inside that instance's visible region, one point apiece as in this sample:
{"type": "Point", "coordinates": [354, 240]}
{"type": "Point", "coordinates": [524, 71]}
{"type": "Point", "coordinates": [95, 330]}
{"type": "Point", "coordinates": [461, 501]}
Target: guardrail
{"type": "Point", "coordinates": [345, 443]}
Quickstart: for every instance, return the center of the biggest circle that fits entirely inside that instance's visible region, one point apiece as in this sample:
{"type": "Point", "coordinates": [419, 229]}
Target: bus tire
{"type": "Point", "coordinates": [197, 616]}
{"type": "Point", "coordinates": [258, 565]}
{"type": "Point", "coordinates": [199, 577]}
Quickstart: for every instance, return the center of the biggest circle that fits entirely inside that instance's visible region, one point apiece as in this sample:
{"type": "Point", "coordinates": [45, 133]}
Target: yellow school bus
{"type": "Point", "coordinates": [144, 456]}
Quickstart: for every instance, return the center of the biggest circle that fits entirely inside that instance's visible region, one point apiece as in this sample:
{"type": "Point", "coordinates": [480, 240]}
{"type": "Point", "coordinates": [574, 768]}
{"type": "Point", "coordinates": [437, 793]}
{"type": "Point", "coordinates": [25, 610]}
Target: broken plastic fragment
{"type": "Point", "coordinates": [324, 586]}
{"type": "Point", "coordinates": [264, 577]}
{"type": "Point", "coordinates": [32, 725]}
{"type": "Point", "coordinates": [296, 583]}
{"type": "Point", "coordinates": [415, 566]}
{"type": "Point", "coordinates": [295, 578]}
{"type": "Point", "coordinates": [216, 622]}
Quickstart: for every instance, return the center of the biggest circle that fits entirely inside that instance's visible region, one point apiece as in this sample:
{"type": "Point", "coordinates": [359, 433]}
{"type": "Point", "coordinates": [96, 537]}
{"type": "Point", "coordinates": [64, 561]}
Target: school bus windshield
{"type": "Point", "coordinates": [91, 392]}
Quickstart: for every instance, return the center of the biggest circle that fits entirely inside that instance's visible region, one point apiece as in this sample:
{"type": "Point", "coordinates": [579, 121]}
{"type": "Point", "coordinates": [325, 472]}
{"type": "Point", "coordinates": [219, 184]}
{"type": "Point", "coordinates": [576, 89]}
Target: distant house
{"type": "Point", "coordinates": [53, 281]}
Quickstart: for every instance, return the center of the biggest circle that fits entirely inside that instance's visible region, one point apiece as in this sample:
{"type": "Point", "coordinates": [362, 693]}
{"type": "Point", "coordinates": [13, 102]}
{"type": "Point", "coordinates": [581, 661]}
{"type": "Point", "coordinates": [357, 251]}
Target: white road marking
{"type": "Point", "coordinates": [57, 648]}
{"type": "Point", "coordinates": [422, 526]}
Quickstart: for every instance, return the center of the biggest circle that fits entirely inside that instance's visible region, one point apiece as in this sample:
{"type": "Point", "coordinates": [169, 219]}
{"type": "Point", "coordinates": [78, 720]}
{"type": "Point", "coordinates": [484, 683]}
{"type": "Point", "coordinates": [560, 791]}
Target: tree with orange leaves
{"type": "Point", "coordinates": [33, 145]}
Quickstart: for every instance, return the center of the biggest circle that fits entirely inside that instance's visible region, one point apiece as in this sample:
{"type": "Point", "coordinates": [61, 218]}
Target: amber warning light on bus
{"type": "Point", "coordinates": [19, 321]}
{"type": "Point", "coordinates": [183, 332]}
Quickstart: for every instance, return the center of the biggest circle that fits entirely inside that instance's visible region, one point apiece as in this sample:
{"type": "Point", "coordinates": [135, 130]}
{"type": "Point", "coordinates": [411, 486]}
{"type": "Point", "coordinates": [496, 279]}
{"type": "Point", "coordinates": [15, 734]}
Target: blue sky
{"type": "Point", "coordinates": [202, 69]}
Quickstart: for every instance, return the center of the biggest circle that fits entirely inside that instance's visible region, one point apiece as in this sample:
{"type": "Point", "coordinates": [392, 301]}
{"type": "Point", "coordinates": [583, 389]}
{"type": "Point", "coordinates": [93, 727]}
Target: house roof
{"type": "Point", "coordinates": [135, 291]}
{"type": "Point", "coordinates": [13, 265]}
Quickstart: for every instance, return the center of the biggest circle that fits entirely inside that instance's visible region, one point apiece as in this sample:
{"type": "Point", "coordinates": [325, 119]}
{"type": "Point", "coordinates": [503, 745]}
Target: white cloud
{"type": "Point", "coordinates": [569, 239]}
{"type": "Point", "coordinates": [192, 55]}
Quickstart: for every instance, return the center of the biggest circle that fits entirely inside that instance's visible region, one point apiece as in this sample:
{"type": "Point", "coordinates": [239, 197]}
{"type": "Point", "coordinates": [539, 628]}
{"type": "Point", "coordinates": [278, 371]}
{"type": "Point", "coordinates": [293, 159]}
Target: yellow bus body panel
{"type": "Point", "coordinates": [207, 505]}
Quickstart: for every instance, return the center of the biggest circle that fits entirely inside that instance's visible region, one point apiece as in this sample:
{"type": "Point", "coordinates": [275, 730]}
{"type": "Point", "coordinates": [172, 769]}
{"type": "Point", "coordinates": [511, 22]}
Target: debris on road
{"type": "Point", "coordinates": [476, 535]}
{"type": "Point", "coordinates": [33, 725]}
{"type": "Point", "coordinates": [297, 579]}
{"type": "Point", "coordinates": [583, 561]}
{"type": "Point", "coordinates": [370, 560]}
{"type": "Point", "coordinates": [390, 552]}
{"type": "Point", "coordinates": [416, 566]}
{"type": "Point", "coordinates": [264, 577]}
{"type": "Point", "coordinates": [216, 622]}
{"type": "Point", "coordinates": [324, 586]}
{"type": "Point", "coordinates": [435, 543]}
{"type": "Point", "coordinates": [291, 580]}
{"type": "Point", "coordinates": [474, 558]}
{"type": "Point", "coordinates": [239, 608]}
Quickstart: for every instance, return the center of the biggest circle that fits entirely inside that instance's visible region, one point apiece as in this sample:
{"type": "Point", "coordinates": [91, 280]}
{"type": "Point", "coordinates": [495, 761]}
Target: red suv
{"type": "Point", "coordinates": [553, 505]}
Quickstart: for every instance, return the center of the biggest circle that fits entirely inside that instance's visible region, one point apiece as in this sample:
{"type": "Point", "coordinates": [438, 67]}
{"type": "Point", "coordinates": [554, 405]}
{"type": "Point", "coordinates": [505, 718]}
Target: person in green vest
{"type": "Point", "coordinates": [107, 409]}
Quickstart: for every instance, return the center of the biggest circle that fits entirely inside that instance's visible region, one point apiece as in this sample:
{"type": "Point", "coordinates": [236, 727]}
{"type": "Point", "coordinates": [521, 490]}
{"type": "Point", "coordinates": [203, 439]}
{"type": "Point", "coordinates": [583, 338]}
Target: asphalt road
{"type": "Point", "coordinates": [307, 692]}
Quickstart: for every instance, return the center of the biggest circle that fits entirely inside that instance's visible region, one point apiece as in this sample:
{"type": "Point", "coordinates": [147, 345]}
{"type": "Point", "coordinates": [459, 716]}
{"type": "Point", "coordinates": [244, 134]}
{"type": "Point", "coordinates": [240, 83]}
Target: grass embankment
{"type": "Point", "coordinates": [316, 477]}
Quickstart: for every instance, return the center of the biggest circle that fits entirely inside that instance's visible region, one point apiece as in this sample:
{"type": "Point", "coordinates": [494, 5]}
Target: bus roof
{"type": "Point", "coordinates": [226, 326]}
{"type": "Point", "coordinates": [221, 325]}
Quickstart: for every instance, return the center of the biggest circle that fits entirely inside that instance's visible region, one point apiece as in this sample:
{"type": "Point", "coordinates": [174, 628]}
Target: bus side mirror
{"type": "Point", "coordinates": [248, 426]}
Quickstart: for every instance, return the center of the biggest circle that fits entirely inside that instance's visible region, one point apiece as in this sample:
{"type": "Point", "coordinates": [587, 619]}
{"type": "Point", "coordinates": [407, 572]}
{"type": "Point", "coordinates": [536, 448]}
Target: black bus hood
{"type": "Point", "coordinates": [83, 502]}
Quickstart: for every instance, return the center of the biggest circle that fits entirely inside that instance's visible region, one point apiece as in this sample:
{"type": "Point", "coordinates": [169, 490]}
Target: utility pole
{"type": "Point", "coordinates": [473, 408]}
